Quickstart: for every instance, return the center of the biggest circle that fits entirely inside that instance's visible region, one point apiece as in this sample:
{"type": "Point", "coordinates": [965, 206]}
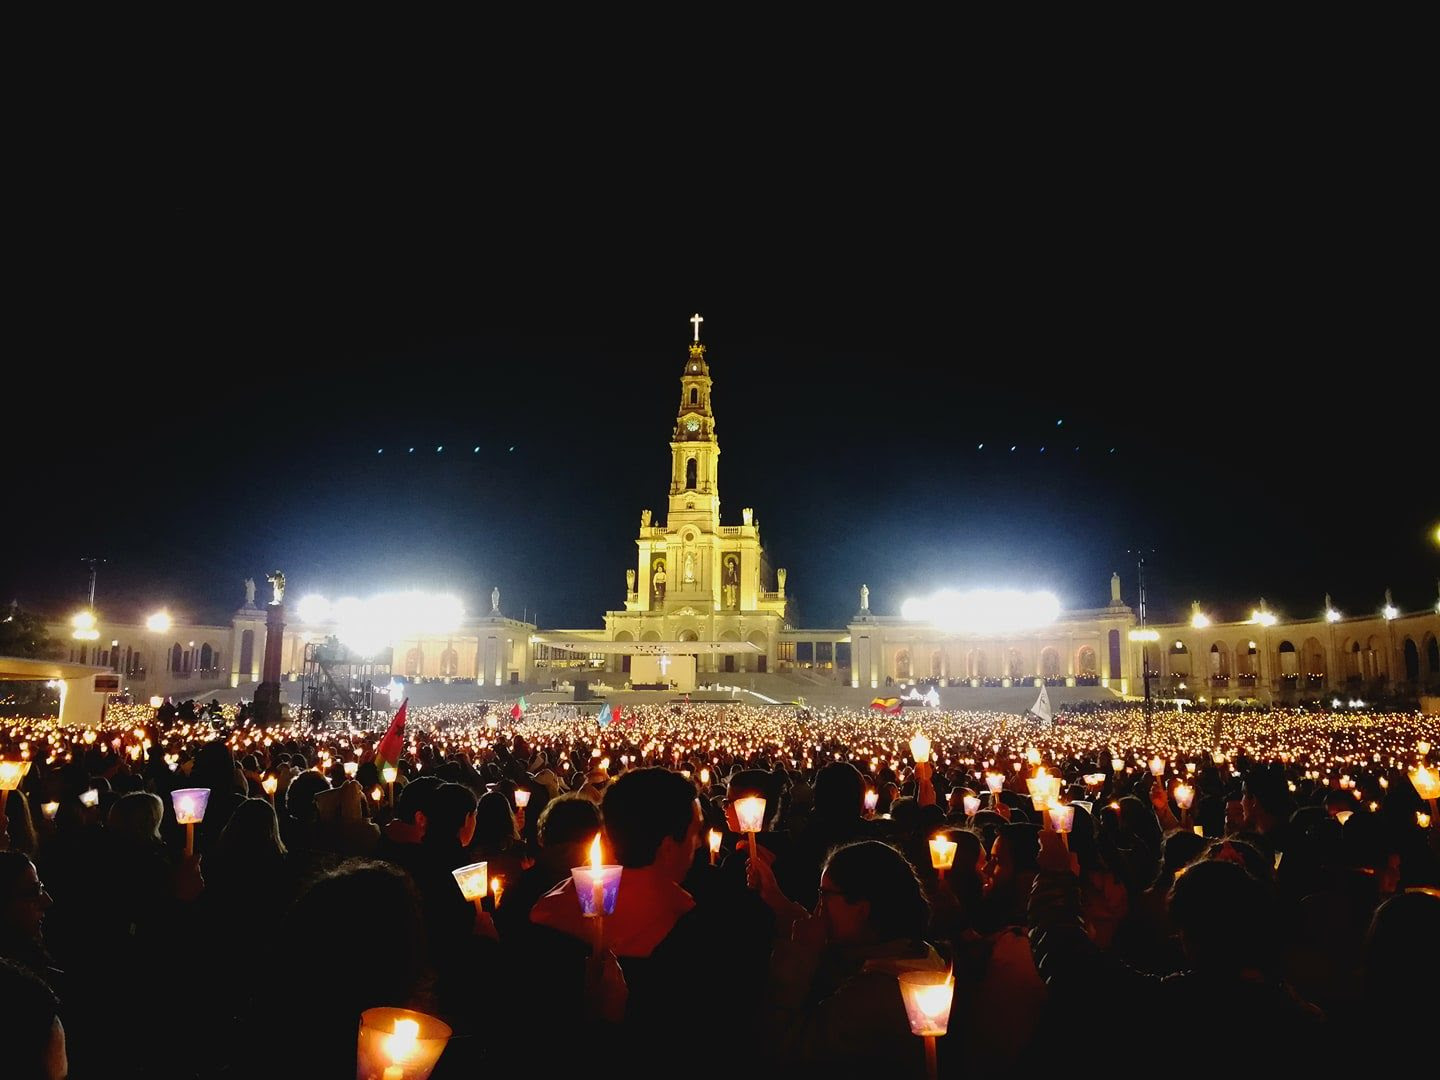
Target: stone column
{"type": "Point", "coordinates": [267, 694]}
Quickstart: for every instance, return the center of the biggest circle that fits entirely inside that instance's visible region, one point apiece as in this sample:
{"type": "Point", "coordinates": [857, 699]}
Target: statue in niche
{"type": "Point", "coordinates": [689, 568]}
{"type": "Point", "coordinates": [730, 588]}
{"type": "Point", "coordinates": [249, 592]}
{"type": "Point", "coordinates": [629, 582]}
{"type": "Point", "coordinates": [277, 586]}
{"type": "Point", "coordinates": [644, 519]}
{"type": "Point", "coordinates": [658, 581]}
{"type": "Point", "coordinates": [864, 597]}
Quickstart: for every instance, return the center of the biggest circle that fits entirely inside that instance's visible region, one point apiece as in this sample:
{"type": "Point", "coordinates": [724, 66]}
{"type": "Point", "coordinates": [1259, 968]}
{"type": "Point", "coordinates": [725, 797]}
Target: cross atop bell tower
{"type": "Point", "coordinates": [694, 451]}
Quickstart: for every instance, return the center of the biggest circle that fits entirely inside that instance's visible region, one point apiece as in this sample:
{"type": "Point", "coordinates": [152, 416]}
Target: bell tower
{"type": "Point", "coordinates": [694, 451]}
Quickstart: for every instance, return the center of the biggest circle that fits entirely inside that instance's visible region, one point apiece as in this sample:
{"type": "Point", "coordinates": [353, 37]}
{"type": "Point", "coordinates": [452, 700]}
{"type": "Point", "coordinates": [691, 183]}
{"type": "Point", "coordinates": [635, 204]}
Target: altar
{"type": "Point", "coordinates": [664, 671]}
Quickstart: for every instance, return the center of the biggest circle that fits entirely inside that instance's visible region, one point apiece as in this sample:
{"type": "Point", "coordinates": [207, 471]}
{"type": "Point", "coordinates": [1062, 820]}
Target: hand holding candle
{"type": "Point", "coordinates": [942, 853]}
{"type": "Point", "coordinates": [928, 996]}
{"type": "Point", "coordinates": [190, 806]}
{"type": "Point", "coordinates": [715, 838]}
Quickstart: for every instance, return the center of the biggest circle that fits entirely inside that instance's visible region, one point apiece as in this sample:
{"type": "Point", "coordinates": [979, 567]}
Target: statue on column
{"type": "Point", "coordinates": [249, 592]}
{"type": "Point", "coordinates": [1115, 590]}
{"type": "Point", "coordinates": [629, 582]}
{"type": "Point", "coordinates": [277, 585]}
{"type": "Point", "coordinates": [495, 600]}
{"type": "Point", "coordinates": [644, 519]}
{"type": "Point", "coordinates": [865, 598]}
{"type": "Point", "coordinates": [780, 576]}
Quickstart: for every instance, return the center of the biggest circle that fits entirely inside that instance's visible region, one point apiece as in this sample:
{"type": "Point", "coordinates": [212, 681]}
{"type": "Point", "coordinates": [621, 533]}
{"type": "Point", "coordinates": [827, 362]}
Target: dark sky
{"type": "Point", "coordinates": [220, 346]}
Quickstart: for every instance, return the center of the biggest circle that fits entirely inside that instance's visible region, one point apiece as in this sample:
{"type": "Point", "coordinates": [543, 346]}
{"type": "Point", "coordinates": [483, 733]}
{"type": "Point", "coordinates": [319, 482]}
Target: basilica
{"type": "Point", "coordinates": [703, 608]}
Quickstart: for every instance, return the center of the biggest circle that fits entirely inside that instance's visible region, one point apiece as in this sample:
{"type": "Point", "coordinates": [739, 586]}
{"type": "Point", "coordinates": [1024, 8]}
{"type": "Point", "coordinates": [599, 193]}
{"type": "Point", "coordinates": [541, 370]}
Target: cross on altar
{"type": "Point", "coordinates": [664, 663]}
{"type": "Point", "coordinates": [697, 320]}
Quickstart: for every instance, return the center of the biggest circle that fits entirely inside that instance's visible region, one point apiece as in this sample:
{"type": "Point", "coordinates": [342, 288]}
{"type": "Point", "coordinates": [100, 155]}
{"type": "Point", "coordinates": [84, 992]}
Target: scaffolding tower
{"type": "Point", "coordinates": [338, 687]}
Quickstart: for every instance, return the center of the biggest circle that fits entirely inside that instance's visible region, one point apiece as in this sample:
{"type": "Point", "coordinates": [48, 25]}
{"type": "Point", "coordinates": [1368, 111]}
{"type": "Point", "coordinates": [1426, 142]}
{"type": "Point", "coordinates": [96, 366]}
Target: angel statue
{"type": "Point", "coordinates": [277, 585]}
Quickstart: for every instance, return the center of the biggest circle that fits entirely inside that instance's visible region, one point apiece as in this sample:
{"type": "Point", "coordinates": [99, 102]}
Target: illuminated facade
{"type": "Point", "coordinates": [701, 602]}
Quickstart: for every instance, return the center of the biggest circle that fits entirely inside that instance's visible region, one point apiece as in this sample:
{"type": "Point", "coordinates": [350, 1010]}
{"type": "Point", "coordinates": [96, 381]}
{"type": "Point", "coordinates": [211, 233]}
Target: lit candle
{"type": "Point", "coordinates": [1117, 764]}
{"type": "Point", "coordinates": [920, 748]}
{"type": "Point", "coordinates": [597, 902]}
{"type": "Point", "coordinates": [872, 800]}
{"type": "Point", "coordinates": [270, 784]}
{"type": "Point", "coordinates": [928, 996]}
{"type": "Point", "coordinates": [50, 809]}
{"type": "Point", "coordinates": [1184, 796]}
{"type": "Point", "coordinates": [11, 773]}
{"type": "Point", "coordinates": [474, 880]}
{"type": "Point", "coordinates": [1157, 766]}
{"type": "Point", "coordinates": [497, 889]}
{"type": "Point", "coordinates": [942, 853]}
{"type": "Point", "coordinates": [399, 1044]}
{"type": "Point", "coordinates": [972, 805]}
{"type": "Point", "coordinates": [715, 838]}
{"type": "Point", "coordinates": [350, 768]}
{"type": "Point", "coordinates": [705, 775]}
{"type": "Point", "coordinates": [1422, 819]}
{"type": "Point", "coordinates": [522, 798]}
{"type": "Point", "coordinates": [750, 814]}
{"type": "Point", "coordinates": [1062, 819]}
{"type": "Point", "coordinates": [190, 806]}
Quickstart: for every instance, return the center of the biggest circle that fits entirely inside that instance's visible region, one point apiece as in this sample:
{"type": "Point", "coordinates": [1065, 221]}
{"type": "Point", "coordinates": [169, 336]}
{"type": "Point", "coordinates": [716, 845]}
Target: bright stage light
{"type": "Point", "coordinates": [1264, 618]}
{"type": "Point", "coordinates": [367, 626]}
{"type": "Point", "coordinates": [84, 624]}
{"type": "Point", "coordinates": [1144, 635]}
{"type": "Point", "coordinates": [983, 610]}
{"type": "Point", "coordinates": [1331, 615]}
{"type": "Point", "coordinates": [1199, 620]}
{"type": "Point", "coordinates": [313, 609]}
{"type": "Point", "coordinates": [159, 622]}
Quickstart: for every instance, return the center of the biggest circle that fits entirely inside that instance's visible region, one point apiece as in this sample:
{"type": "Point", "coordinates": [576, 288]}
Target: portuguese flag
{"type": "Point", "coordinates": [886, 704]}
{"type": "Point", "coordinates": [518, 709]}
{"type": "Point", "coordinates": [388, 749]}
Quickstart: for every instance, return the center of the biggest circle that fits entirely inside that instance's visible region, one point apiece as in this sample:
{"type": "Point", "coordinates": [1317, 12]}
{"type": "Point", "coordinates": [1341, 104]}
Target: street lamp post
{"type": "Point", "coordinates": [1144, 637]}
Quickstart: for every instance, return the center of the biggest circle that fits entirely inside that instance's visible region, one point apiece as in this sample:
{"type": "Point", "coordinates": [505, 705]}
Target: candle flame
{"type": "Point", "coordinates": [595, 860]}
{"type": "Point", "coordinates": [401, 1045]}
{"type": "Point", "coordinates": [715, 838]}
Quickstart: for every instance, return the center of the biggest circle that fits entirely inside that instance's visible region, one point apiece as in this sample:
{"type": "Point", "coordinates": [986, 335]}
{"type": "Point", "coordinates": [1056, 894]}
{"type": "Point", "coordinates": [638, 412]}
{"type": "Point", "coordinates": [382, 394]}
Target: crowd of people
{"type": "Point", "coordinates": [1228, 891]}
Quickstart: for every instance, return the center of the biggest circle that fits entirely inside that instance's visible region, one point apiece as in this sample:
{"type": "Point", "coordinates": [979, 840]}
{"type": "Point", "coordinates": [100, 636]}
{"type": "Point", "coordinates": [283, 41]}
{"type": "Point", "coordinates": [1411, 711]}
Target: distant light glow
{"type": "Point", "coordinates": [368, 626]}
{"type": "Point", "coordinates": [1144, 635]}
{"type": "Point", "coordinates": [1263, 618]}
{"type": "Point", "coordinates": [1390, 611]}
{"type": "Point", "coordinates": [983, 610]}
{"type": "Point", "coordinates": [1331, 615]}
{"type": "Point", "coordinates": [313, 608]}
{"type": "Point", "coordinates": [1199, 620]}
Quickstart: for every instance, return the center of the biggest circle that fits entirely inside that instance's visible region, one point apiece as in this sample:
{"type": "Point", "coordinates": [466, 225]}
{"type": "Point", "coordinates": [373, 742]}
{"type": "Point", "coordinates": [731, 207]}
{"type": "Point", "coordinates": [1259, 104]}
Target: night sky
{"type": "Point", "coordinates": [1244, 363]}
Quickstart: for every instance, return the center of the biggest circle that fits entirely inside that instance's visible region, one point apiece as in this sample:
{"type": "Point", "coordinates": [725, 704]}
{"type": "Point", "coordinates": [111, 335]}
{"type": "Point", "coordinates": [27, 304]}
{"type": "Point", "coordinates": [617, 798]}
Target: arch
{"type": "Point", "coordinates": [902, 663]}
{"type": "Point", "coordinates": [691, 469]}
{"type": "Point", "coordinates": [449, 662]}
{"type": "Point", "coordinates": [937, 664]}
{"type": "Point", "coordinates": [1085, 665]}
{"type": "Point", "coordinates": [1312, 659]}
{"type": "Point", "coordinates": [975, 664]}
{"type": "Point", "coordinates": [1050, 662]}
{"type": "Point", "coordinates": [624, 635]}
{"type": "Point", "coordinates": [687, 635]}
{"type": "Point", "coordinates": [414, 663]}
{"type": "Point", "coordinates": [1412, 660]}
{"type": "Point", "coordinates": [694, 395]}
{"type": "Point", "coordinates": [1376, 663]}
{"type": "Point", "coordinates": [650, 635]}
{"type": "Point", "coordinates": [1432, 657]}
{"type": "Point", "coordinates": [1014, 663]}
{"type": "Point", "coordinates": [1287, 660]}
{"type": "Point", "coordinates": [207, 657]}
{"type": "Point", "coordinates": [727, 660]}
{"type": "Point", "coordinates": [1353, 661]}
{"type": "Point", "coordinates": [177, 658]}
{"type": "Point", "coordinates": [1219, 661]}
{"type": "Point", "coordinates": [1179, 659]}
{"type": "Point", "coordinates": [1116, 667]}
{"type": "Point", "coordinates": [1247, 658]}
{"type": "Point", "coordinates": [247, 652]}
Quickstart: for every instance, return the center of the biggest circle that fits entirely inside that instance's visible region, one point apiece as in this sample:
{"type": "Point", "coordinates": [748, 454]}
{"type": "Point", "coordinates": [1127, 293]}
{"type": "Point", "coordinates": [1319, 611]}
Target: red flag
{"type": "Point", "coordinates": [618, 714]}
{"type": "Point", "coordinates": [388, 749]}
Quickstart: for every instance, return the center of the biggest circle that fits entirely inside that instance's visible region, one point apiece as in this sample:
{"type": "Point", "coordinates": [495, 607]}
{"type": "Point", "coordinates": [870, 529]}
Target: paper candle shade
{"type": "Point", "coordinates": [1426, 782]}
{"type": "Point", "coordinates": [995, 782]}
{"type": "Point", "coordinates": [1157, 766]}
{"type": "Point", "coordinates": [522, 798]}
{"type": "Point", "coordinates": [1062, 817]}
{"type": "Point", "coordinates": [942, 852]}
{"type": "Point", "coordinates": [872, 800]}
{"type": "Point", "coordinates": [750, 813]}
{"type": "Point", "coordinates": [592, 880]}
{"type": "Point", "coordinates": [190, 804]}
{"type": "Point", "coordinates": [715, 837]}
{"type": "Point", "coordinates": [388, 774]}
{"type": "Point", "coordinates": [474, 880]}
{"type": "Point", "coordinates": [11, 773]}
{"type": "Point", "coordinates": [350, 768]}
{"type": "Point", "coordinates": [920, 748]}
{"type": "Point", "coordinates": [399, 1044]}
{"type": "Point", "coordinates": [972, 805]}
{"type": "Point", "coordinates": [90, 797]}
{"type": "Point", "coordinates": [927, 996]}
{"type": "Point", "coordinates": [1184, 796]}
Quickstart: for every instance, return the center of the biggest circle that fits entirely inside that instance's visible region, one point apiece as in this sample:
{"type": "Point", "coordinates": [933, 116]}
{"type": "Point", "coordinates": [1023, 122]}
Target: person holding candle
{"type": "Point", "coordinates": [565, 828]}
{"type": "Point", "coordinates": [1229, 929]}
{"type": "Point", "coordinates": [497, 837]}
{"type": "Point", "coordinates": [834, 1000]}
